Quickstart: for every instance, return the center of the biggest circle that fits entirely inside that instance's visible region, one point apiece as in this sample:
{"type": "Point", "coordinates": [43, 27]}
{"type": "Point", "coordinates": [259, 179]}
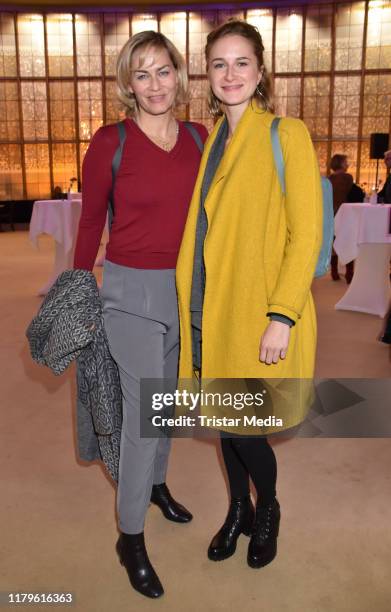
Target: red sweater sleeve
{"type": "Point", "coordinates": [96, 186]}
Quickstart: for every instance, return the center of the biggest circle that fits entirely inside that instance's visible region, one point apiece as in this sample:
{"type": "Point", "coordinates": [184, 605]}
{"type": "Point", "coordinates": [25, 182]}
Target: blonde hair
{"type": "Point", "coordinates": [147, 40]}
{"type": "Point", "coordinates": [263, 93]}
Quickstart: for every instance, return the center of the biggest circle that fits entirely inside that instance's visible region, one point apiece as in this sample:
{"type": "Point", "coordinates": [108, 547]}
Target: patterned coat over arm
{"type": "Point", "coordinates": [69, 326]}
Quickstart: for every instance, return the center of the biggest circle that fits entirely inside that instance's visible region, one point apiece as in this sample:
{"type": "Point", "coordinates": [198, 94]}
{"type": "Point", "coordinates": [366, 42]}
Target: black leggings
{"type": "Point", "coordinates": [250, 457]}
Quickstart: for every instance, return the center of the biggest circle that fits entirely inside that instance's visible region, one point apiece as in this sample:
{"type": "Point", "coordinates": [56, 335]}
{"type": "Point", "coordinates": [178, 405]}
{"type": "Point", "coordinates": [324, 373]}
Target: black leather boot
{"type": "Point", "coordinates": [172, 510]}
{"type": "Point", "coordinates": [239, 520]}
{"type": "Point", "coordinates": [133, 556]}
{"type": "Point", "coordinates": [263, 544]}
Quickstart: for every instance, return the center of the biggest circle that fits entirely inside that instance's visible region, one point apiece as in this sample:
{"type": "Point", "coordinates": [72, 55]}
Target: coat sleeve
{"type": "Point", "coordinates": [304, 219]}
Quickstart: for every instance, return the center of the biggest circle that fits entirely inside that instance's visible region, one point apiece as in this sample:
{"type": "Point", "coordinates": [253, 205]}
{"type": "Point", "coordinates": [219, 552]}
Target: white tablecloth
{"type": "Point", "coordinates": [60, 219]}
{"type": "Point", "coordinates": [362, 234]}
{"type": "Point", "coordinates": [74, 195]}
{"type": "Point", "coordinates": [357, 224]}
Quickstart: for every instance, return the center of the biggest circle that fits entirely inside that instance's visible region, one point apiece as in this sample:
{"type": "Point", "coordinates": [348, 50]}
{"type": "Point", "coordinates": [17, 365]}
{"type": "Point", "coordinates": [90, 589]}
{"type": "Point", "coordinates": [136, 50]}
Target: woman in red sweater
{"type": "Point", "coordinates": [152, 193]}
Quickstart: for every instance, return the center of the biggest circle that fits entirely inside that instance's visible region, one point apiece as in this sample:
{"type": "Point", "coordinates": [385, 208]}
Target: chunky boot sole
{"type": "Point", "coordinates": [257, 563]}
{"type": "Point", "coordinates": [231, 551]}
{"type": "Point", "coordinates": [266, 559]}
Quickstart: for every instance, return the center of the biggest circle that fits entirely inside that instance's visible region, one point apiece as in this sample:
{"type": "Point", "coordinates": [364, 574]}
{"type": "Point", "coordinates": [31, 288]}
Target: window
{"type": "Point", "coordinates": [57, 80]}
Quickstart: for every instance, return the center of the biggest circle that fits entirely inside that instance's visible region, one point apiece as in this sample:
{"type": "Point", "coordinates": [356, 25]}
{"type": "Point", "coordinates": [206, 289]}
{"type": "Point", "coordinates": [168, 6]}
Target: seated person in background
{"type": "Point", "coordinates": [342, 183]}
{"type": "Point", "coordinates": [356, 194]}
{"type": "Point", "coordinates": [385, 194]}
{"type": "Point", "coordinates": [57, 193]}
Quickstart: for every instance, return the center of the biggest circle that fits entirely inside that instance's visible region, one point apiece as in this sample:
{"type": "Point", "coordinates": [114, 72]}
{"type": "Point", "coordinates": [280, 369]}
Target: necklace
{"type": "Point", "coordinates": [166, 145]}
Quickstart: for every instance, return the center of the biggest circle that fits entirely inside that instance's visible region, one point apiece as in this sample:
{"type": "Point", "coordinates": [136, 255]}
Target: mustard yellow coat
{"type": "Point", "coordinates": [260, 252]}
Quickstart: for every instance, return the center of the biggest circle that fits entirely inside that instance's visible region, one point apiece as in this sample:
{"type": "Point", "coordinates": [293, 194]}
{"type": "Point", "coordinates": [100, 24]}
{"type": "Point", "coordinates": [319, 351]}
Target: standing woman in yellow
{"type": "Point", "coordinates": [246, 265]}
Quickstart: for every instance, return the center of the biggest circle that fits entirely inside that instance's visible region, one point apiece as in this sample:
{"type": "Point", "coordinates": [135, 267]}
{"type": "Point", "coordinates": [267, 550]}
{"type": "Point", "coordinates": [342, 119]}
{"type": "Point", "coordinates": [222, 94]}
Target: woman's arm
{"type": "Point", "coordinates": [96, 181]}
{"type": "Point", "coordinates": [304, 218]}
{"type": "Point", "coordinates": [274, 342]}
{"type": "Point", "coordinates": [304, 214]}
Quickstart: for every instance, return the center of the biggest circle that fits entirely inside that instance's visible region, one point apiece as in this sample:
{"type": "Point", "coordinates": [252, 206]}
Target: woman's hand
{"type": "Point", "coordinates": [274, 342]}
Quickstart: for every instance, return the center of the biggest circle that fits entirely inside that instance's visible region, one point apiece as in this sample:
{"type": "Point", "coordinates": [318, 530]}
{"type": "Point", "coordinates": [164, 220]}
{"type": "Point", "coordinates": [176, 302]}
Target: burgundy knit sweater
{"type": "Point", "coordinates": [152, 194]}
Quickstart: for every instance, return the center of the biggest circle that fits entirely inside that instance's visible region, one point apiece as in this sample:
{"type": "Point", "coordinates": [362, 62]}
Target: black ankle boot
{"type": "Point", "coordinates": [172, 510]}
{"type": "Point", "coordinates": [263, 544]}
{"type": "Point", "coordinates": [239, 520]}
{"type": "Point", "coordinates": [133, 556]}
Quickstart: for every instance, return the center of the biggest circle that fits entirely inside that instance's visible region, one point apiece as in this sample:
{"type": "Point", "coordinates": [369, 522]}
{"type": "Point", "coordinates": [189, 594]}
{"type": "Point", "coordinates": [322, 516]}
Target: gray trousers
{"type": "Point", "coordinates": [141, 321]}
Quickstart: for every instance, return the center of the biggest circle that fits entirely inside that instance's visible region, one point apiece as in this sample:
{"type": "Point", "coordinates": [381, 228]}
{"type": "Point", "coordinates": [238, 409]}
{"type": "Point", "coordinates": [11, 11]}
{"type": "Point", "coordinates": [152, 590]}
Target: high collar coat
{"type": "Point", "coordinates": [260, 252]}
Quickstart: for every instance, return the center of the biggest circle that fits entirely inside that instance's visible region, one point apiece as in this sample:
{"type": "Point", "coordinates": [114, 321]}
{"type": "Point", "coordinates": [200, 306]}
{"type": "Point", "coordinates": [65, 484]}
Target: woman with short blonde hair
{"type": "Point", "coordinates": [146, 41]}
{"type": "Point", "coordinates": [151, 195]}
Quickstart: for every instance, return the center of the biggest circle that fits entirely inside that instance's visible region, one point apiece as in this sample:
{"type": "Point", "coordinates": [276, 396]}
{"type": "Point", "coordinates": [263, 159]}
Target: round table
{"type": "Point", "coordinates": [362, 233]}
{"type": "Point", "coordinates": [60, 219]}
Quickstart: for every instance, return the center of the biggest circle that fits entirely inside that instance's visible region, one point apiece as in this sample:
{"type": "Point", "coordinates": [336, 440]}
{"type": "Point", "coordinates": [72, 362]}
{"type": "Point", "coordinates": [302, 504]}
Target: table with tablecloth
{"type": "Point", "coordinates": [362, 233]}
{"type": "Point", "coordinates": [74, 195]}
{"type": "Point", "coordinates": [105, 236]}
{"type": "Point", "coordinates": [60, 219]}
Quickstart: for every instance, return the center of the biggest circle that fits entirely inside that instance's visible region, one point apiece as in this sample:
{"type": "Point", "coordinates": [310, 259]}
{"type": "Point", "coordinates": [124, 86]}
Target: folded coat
{"type": "Point", "coordinates": [69, 326]}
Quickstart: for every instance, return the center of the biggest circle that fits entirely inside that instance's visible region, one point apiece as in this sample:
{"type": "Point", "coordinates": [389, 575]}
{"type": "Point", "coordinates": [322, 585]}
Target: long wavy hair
{"type": "Point", "coordinates": [263, 94]}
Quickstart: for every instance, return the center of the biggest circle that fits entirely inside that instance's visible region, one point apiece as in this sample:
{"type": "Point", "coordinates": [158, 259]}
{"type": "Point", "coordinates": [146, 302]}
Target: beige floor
{"type": "Point", "coordinates": [57, 517]}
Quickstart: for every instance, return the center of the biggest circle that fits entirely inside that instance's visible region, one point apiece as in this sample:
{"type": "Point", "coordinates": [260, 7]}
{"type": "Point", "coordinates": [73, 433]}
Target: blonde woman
{"type": "Point", "coordinates": [245, 268]}
{"type": "Point", "coordinates": [152, 193]}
